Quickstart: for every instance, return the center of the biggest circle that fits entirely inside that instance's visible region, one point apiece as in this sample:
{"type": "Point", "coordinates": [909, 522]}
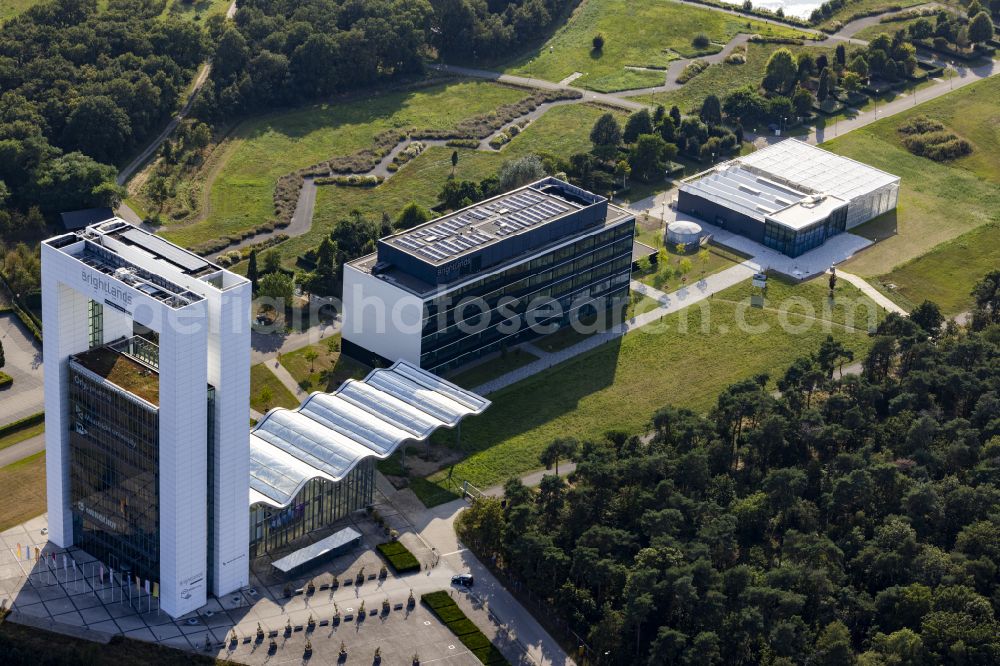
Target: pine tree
{"type": "Point", "coordinates": [252, 273]}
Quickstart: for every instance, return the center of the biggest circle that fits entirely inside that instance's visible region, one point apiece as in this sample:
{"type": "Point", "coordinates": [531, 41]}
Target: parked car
{"type": "Point", "coordinates": [465, 580]}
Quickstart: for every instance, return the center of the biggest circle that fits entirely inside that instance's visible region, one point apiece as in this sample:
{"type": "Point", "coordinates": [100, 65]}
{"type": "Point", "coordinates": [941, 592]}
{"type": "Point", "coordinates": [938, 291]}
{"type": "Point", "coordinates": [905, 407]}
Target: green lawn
{"type": "Point", "coordinates": [24, 480]}
{"type": "Point", "coordinates": [197, 9]}
{"type": "Point", "coordinates": [262, 380]}
{"type": "Point", "coordinates": [11, 8]}
{"type": "Point", "coordinates": [621, 384]}
{"type": "Point", "coordinates": [855, 7]}
{"type": "Point", "coordinates": [937, 201]}
{"type": "Point", "coordinates": [947, 273]}
{"type": "Point", "coordinates": [640, 33]}
{"type": "Point", "coordinates": [328, 371]}
{"type": "Point", "coordinates": [665, 274]}
{"type": "Point", "coordinates": [873, 31]}
{"type": "Point", "coordinates": [241, 174]}
{"type": "Point", "coordinates": [723, 78]}
{"type": "Point", "coordinates": [562, 130]}
{"type": "Point", "coordinates": [493, 368]}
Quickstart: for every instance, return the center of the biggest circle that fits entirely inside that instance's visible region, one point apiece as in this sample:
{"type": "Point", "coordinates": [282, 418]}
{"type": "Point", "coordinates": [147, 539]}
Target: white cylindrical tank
{"type": "Point", "coordinates": [683, 232]}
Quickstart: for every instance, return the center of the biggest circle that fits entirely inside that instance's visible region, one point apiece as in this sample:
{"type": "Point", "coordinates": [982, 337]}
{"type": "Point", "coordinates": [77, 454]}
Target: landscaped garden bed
{"type": "Point", "coordinates": [399, 556]}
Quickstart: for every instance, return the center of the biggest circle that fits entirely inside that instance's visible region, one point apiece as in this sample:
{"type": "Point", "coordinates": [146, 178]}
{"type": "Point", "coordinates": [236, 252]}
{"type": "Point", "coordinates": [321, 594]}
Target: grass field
{"type": "Point", "coordinates": [620, 385]}
{"type": "Point", "coordinates": [23, 485]}
{"type": "Point", "coordinates": [665, 274]}
{"type": "Point", "coordinates": [854, 7]}
{"type": "Point", "coordinates": [562, 130]}
{"type": "Point", "coordinates": [639, 33]}
{"type": "Point", "coordinates": [937, 201]}
{"type": "Point", "coordinates": [947, 273]}
{"type": "Point", "coordinates": [241, 174]}
{"type": "Point", "coordinates": [326, 373]}
{"type": "Point", "coordinates": [196, 10]}
{"type": "Point", "coordinates": [11, 8]}
{"type": "Point", "coordinates": [262, 378]}
{"type": "Point", "coordinates": [889, 28]}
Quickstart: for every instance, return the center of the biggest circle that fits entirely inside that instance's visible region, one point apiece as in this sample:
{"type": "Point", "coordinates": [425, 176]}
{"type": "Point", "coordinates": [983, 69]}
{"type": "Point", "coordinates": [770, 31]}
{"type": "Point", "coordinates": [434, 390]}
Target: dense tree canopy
{"type": "Point", "coordinates": [843, 520]}
{"type": "Point", "coordinates": [81, 89]}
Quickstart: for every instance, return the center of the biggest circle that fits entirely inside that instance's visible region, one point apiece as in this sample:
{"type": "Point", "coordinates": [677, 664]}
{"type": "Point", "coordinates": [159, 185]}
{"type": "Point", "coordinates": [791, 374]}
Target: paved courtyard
{"type": "Point", "coordinates": [74, 601]}
{"type": "Point", "coordinates": [24, 364]}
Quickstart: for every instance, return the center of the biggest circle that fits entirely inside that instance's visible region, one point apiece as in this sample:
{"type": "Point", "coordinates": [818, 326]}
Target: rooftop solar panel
{"type": "Point", "coordinates": [168, 251]}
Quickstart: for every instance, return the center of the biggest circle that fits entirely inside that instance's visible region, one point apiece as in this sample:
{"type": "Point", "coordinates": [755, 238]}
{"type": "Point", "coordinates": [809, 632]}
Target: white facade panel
{"type": "Point", "coordinates": [381, 317]}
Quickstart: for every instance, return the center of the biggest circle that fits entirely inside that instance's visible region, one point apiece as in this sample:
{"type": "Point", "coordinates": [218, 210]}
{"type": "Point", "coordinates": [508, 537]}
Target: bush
{"type": "Point", "coordinates": [450, 614]}
{"type": "Point", "coordinates": [693, 68]}
{"type": "Point", "coordinates": [399, 557]}
{"type": "Point", "coordinates": [920, 125]}
{"type": "Point", "coordinates": [463, 143]}
{"type": "Point", "coordinates": [598, 42]}
{"type": "Point", "coordinates": [701, 41]}
{"type": "Point", "coordinates": [5, 380]}
{"type": "Point", "coordinates": [475, 641]}
{"type": "Point", "coordinates": [736, 58]}
{"type": "Point", "coordinates": [499, 140]}
{"type": "Point", "coordinates": [439, 599]}
{"type": "Point", "coordinates": [927, 137]}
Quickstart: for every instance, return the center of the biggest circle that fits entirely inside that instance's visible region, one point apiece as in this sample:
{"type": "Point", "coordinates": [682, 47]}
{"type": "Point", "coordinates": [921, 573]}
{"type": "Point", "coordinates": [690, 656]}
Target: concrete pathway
{"type": "Point", "coordinates": [541, 84]}
{"type": "Point", "coordinates": [286, 378]}
{"type": "Point", "coordinates": [26, 396]}
{"type": "Point", "coordinates": [871, 292]}
{"type": "Point", "coordinates": [532, 479]}
{"type": "Point", "coordinates": [669, 303]}
{"type": "Point", "coordinates": [265, 347]}
{"type": "Point", "coordinates": [21, 450]}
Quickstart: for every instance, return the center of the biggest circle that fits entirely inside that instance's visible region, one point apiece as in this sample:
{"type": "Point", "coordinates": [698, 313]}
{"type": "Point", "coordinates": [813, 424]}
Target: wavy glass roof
{"type": "Point", "coordinates": [330, 433]}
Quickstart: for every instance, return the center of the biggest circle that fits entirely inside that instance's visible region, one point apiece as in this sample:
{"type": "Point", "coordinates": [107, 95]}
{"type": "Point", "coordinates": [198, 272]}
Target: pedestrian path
{"type": "Point", "coordinates": [286, 378]}
{"type": "Point", "coordinates": [871, 292]}
{"type": "Point", "coordinates": [669, 303]}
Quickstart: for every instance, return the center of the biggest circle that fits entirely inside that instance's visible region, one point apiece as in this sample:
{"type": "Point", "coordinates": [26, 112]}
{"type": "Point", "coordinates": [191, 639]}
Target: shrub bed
{"type": "Point", "coordinates": [21, 424]}
{"type": "Point", "coordinates": [399, 557]}
{"type": "Point", "coordinates": [5, 380]}
{"type": "Point", "coordinates": [499, 140]}
{"type": "Point", "coordinates": [927, 137]}
{"type": "Point", "coordinates": [463, 143]}
{"type": "Point", "coordinates": [693, 69]}
{"type": "Point", "coordinates": [444, 608]}
{"type": "Point", "coordinates": [353, 180]}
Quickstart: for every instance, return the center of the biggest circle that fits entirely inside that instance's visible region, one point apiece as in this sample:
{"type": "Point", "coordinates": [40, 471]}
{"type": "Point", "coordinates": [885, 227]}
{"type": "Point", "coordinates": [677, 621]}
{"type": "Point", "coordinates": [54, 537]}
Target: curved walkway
{"type": "Point", "coordinates": [677, 67]}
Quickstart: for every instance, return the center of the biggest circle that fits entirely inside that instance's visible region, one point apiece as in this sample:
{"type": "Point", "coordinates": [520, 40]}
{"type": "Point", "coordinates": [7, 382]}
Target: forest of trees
{"type": "Point", "coordinates": [281, 52]}
{"type": "Point", "coordinates": [81, 89]}
{"type": "Point", "coordinates": [844, 520]}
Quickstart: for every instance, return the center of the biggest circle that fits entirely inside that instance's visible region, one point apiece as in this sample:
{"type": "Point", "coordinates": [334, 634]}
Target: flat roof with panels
{"type": "Point", "coordinates": [808, 167]}
{"type": "Point", "coordinates": [491, 221]}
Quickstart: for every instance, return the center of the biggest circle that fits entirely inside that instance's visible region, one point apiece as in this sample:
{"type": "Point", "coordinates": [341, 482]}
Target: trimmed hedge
{"type": "Point", "coordinates": [463, 626]}
{"type": "Point", "coordinates": [443, 606]}
{"type": "Point", "coordinates": [21, 424]}
{"type": "Point", "coordinates": [399, 557]}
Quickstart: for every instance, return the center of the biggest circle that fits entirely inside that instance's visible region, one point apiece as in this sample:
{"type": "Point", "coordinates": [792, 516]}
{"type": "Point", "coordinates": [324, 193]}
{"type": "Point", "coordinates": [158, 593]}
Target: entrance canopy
{"type": "Point", "coordinates": [330, 433]}
{"type": "Point", "coordinates": [333, 545]}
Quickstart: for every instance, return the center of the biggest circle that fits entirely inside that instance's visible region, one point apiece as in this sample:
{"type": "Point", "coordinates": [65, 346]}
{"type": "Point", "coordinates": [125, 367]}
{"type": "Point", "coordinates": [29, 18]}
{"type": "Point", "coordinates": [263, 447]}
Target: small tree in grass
{"type": "Point", "coordinates": [701, 41]}
{"type": "Point", "coordinates": [266, 396]}
{"type": "Point", "coordinates": [454, 162]}
{"type": "Point", "coordinates": [680, 248]}
{"type": "Point", "coordinates": [598, 42]}
{"type": "Point", "coordinates": [333, 345]}
{"type": "Point", "coordinates": [685, 266]}
{"type": "Point", "coordinates": [311, 355]}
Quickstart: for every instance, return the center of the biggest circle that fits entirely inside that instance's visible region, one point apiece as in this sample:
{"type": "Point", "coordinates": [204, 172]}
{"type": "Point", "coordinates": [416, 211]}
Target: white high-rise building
{"type": "Point", "coordinates": [147, 398]}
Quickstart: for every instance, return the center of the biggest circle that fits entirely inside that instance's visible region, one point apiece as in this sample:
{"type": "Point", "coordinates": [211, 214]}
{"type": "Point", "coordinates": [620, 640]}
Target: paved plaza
{"type": "Point", "coordinates": [24, 364]}
{"type": "Point", "coordinates": [74, 601]}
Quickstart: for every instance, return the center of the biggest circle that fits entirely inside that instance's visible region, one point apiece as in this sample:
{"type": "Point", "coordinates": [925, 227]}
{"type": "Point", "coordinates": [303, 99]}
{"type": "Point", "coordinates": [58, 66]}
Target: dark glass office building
{"type": "Point", "coordinates": [114, 477]}
{"type": "Point", "coordinates": [489, 276]}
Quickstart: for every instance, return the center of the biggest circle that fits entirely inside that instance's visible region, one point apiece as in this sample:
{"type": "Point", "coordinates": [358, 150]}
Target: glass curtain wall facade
{"type": "Point", "coordinates": [114, 475]}
{"type": "Point", "coordinates": [795, 242]}
{"type": "Point", "coordinates": [492, 312]}
{"type": "Point", "coordinates": [320, 503]}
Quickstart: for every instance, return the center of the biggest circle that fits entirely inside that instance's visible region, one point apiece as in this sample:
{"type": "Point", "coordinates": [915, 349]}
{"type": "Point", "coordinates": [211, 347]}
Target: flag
{"type": "Point", "coordinates": [102, 573]}
{"type": "Point", "coordinates": [74, 563]}
{"type": "Point", "coordinates": [147, 586]}
{"type": "Point", "coordinates": [156, 591]}
{"type": "Point", "coordinates": [18, 551]}
{"type": "Point", "coordinates": [38, 553]}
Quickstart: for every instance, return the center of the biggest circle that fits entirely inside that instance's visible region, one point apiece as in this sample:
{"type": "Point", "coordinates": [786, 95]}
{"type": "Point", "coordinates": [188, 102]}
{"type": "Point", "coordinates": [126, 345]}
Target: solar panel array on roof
{"type": "Point", "coordinates": [330, 433]}
{"type": "Point", "coordinates": [482, 224]}
{"type": "Point", "coordinates": [175, 255]}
